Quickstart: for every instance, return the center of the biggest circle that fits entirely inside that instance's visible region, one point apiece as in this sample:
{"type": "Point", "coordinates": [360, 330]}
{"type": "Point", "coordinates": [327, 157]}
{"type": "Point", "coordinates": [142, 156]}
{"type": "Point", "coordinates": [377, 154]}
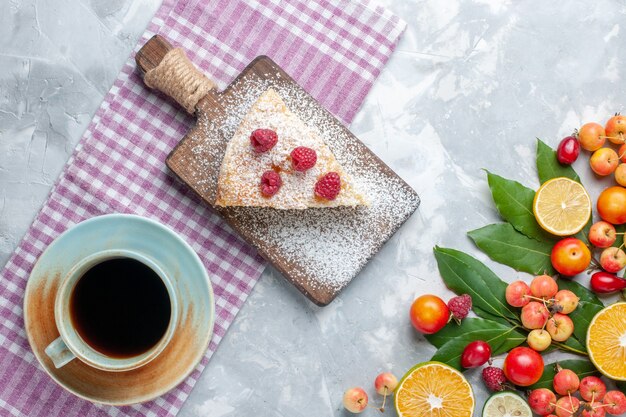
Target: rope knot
{"type": "Point", "coordinates": [177, 77]}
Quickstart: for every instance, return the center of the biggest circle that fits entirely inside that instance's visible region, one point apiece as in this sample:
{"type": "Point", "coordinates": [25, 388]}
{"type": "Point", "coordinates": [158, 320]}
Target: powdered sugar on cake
{"type": "Point", "coordinates": [324, 248]}
{"type": "Point", "coordinates": [242, 166]}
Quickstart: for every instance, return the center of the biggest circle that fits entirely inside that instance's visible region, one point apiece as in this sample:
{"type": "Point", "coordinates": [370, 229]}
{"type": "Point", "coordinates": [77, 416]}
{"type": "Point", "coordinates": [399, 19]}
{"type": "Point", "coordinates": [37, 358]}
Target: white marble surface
{"type": "Point", "coordinates": [471, 85]}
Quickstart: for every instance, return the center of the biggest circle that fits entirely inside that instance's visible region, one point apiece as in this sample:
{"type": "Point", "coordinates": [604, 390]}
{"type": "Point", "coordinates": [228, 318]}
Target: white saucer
{"type": "Point", "coordinates": [174, 256]}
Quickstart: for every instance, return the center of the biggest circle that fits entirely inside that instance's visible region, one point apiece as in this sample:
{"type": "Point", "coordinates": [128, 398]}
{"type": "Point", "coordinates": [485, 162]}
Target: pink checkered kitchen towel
{"type": "Point", "coordinates": [335, 49]}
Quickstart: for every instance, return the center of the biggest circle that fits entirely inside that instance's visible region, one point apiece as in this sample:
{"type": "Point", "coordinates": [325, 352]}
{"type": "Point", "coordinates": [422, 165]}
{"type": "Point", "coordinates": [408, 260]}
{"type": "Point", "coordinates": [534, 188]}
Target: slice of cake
{"type": "Point", "coordinates": [276, 160]}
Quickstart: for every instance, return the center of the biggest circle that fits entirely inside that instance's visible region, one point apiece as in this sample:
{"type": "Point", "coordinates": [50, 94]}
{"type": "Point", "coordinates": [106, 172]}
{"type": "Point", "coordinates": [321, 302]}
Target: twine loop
{"type": "Point", "coordinates": [177, 77]}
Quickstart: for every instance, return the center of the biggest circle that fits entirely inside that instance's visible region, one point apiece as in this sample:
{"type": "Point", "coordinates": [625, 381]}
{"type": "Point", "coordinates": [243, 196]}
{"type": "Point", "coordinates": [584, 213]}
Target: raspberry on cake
{"type": "Point", "coordinates": [303, 158]}
{"type": "Point", "coordinates": [262, 140]}
{"type": "Point", "coordinates": [270, 183]}
{"type": "Point", "coordinates": [275, 160]}
{"type": "Point", "coordinates": [328, 186]}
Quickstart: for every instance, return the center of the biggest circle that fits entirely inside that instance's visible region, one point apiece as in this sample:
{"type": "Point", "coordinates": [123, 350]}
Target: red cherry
{"type": "Point", "coordinates": [568, 150]}
{"type": "Point", "coordinates": [542, 401]}
{"type": "Point", "coordinates": [429, 314]}
{"type": "Point", "coordinates": [475, 354]}
{"type": "Point", "coordinates": [605, 283]}
{"type": "Point", "coordinates": [570, 256]}
{"type": "Point", "coordinates": [523, 366]}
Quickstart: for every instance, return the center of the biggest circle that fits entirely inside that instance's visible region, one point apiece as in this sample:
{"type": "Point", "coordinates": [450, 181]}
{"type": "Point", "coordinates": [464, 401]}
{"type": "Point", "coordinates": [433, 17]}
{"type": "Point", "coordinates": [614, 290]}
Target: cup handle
{"type": "Point", "coordinates": [60, 354]}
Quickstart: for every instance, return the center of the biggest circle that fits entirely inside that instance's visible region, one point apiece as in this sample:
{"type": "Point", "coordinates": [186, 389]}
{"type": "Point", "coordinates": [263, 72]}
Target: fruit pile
{"type": "Point", "coordinates": [571, 255]}
{"type": "Point", "coordinates": [592, 137]}
{"type": "Point", "coordinates": [544, 310]}
{"type": "Point", "coordinates": [596, 401]}
{"type": "Point", "coordinates": [612, 259]}
{"type": "Point", "coordinates": [429, 314]}
{"type": "Point", "coordinates": [549, 234]}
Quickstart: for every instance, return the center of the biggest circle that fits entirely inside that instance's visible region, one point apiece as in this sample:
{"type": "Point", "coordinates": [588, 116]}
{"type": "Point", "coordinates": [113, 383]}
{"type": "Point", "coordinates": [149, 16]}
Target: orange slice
{"type": "Point", "coordinates": [562, 206]}
{"type": "Point", "coordinates": [606, 341]}
{"type": "Point", "coordinates": [433, 389]}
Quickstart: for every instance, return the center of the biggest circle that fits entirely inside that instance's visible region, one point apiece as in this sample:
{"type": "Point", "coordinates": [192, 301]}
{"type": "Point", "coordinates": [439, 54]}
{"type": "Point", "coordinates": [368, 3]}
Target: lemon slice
{"type": "Point", "coordinates": [433, 389]}
{"type": "Point", "coordinates": [606, 341]}
{"type": "Point", "coordinates": [562, 206]}
{"type": "Point", "coordinates": [506, 403]}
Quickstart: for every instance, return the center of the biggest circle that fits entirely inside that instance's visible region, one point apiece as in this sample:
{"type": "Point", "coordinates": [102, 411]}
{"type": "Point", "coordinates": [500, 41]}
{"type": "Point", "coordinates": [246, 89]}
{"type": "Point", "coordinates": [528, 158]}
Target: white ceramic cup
{"type": "Point", "coordinates": [70, 345]}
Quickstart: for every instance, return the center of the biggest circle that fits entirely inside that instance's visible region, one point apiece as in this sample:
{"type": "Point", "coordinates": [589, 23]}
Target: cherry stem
{"type": "Point", "coordinates": [382, 409]}
{"type": "Point", "coordinates": [620, 137]}
{"type": "Point", "coordinates": [543, 300]}
{"type": "Point", "coordinates": [563, 408]}
{"type": "Point", "coordinates": [604, 405]}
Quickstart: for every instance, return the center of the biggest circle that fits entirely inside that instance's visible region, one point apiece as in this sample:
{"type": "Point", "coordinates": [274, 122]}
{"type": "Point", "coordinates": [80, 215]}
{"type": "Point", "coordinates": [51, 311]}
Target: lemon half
{"type": "Point", "coordinates": [562, 206]}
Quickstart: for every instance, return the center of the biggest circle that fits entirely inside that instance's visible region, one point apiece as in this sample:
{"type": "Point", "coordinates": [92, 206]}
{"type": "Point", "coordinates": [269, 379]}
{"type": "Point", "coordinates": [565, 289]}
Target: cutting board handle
{"type": "Point", "coordinates": [168, 70]}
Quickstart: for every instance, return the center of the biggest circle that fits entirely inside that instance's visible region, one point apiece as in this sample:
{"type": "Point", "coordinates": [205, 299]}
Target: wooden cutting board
{"type": "Point", "coordinates": [317, 250]}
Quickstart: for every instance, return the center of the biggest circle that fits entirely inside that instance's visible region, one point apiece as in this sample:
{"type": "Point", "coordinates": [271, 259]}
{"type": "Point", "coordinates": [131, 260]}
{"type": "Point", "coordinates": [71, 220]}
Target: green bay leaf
{"type": "Point", "coordinates": [464, 274]}
{"type": "Point", "coordinates": [470, 324]}
{"type": "Point", "coordinates": [548, 166]}
{"type": "Point", "coordinates": [571, 345]}
{"type": "Point", "coordinates": [584, 233]}
{"type": "Point", "coordinates": [514, 202]}
{"type": "Point", "coordinates": [489, 316]}
{"type": "Point", "coordinates": [502, 243]}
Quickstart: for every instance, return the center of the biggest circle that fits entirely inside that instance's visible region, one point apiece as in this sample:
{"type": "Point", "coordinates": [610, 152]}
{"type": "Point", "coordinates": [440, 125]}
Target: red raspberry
{"type": "Point", "coordinates": [494, 378]}
{"type": "Point", "coordinates": [263, 140]}
{"type": "Point", "coordinates": [460, 306]}
{"type": "Point", "coordinates": [270, 183]}
{"type": "Point", "coordinates": [328, 186]}
{"type": "Point", "coordinates": [303, 158]}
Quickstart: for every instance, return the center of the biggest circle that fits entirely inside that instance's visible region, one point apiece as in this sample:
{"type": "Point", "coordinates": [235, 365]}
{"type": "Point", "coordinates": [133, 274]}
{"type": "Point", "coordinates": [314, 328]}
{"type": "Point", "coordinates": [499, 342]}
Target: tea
{"type": "Point", "coordinates": [120, 307]}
